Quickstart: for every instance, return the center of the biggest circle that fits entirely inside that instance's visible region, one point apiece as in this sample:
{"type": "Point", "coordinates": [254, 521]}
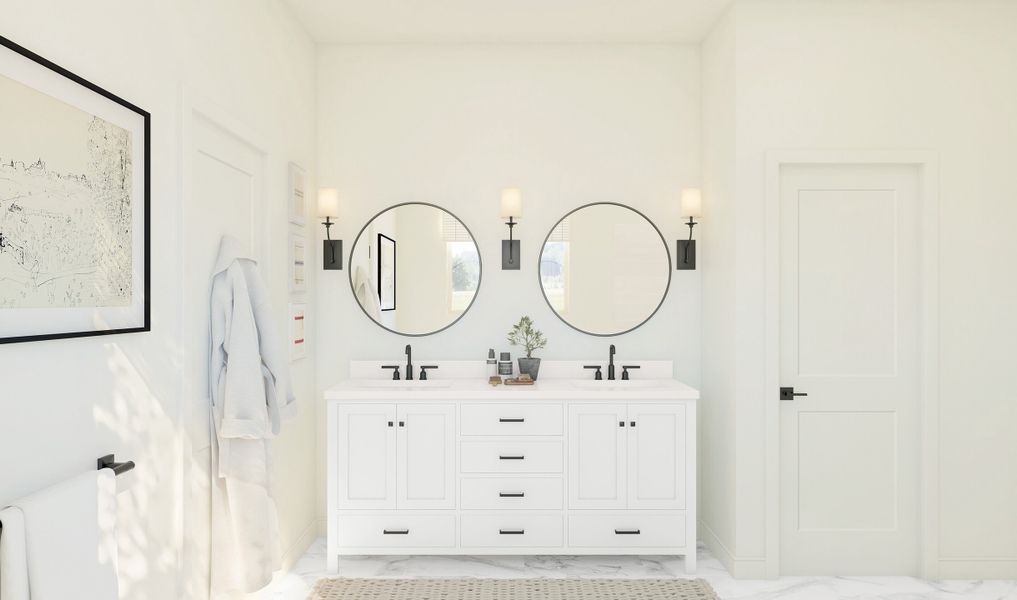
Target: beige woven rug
{"type": "Point", "coordinates": [512, 589]}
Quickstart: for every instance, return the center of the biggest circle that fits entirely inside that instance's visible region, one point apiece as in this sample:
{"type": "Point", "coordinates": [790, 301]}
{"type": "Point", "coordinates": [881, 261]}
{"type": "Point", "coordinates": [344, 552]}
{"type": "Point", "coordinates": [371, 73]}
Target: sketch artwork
{"type": "Point", "coordinates": [66, 236]}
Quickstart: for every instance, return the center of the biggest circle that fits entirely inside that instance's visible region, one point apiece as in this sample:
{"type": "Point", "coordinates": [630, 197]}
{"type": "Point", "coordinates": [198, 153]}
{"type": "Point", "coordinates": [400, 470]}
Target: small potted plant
{"type": "Point", "coordinates": [523, 334]}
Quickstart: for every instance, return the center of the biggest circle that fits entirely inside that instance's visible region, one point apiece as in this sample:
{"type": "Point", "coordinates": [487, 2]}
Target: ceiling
{"type": "Point", "coordinates": [507, 21]}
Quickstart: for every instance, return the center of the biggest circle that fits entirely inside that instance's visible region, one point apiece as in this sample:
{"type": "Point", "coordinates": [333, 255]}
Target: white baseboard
{"type": "Point", "coordinates": [977, 568]}
{"type": "Point", "coordinates": [738, 567]}
{"type": "Point", "coordinates": [300, 545]}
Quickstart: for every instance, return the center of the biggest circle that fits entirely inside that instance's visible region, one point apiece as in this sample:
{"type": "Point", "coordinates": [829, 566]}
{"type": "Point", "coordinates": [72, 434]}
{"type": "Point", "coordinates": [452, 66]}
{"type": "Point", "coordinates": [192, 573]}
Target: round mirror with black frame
{"type": "Point", "coordinates": [605, 269]}
{"type": "Point", "coordinates": [415, 269]}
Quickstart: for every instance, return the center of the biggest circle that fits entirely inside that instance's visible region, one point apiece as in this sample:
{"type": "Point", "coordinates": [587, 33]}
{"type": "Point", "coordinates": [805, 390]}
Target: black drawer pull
{"type": "Point", "coordinates": [519, 457]}
{"type": "Point", "coordinates": [626, 532]}
{"type": "Point", "coordinates": [512, 420]}
{"type": "Point", "coordinates": [511, 531]}
{"type": "Point", "coordinates": [511, 495]}
{"type": "Point", "coordinates": [396, 531]}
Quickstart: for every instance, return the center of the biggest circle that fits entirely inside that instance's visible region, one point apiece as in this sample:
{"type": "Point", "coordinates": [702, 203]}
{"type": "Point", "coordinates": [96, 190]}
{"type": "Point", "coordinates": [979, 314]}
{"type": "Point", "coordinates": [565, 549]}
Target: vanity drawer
{"type": "Point", "coordinates": [512, 419]}
{"type": "Point", "coordinates": [501, 493]}
{"type": "Point", "coordinates": [517, 530]}
{"type": "Point", "coordinates": [627, 530]}
{"type": "Point", "coordinates": [396, 531]}
{"type": "Point", "coordinates": [510, 457]}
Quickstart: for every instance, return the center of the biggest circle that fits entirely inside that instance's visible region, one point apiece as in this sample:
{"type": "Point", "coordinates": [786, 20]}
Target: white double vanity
{"type": "Point", "coordinates": [570, 465]}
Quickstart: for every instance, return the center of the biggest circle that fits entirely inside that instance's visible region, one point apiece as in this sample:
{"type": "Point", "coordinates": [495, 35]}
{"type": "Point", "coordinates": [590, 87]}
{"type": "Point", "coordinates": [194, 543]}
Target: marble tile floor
{"type": "Point", "coordinates": [296, 584]}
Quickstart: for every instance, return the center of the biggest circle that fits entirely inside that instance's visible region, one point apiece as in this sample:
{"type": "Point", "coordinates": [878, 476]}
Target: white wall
{"type": "Point", "coordinates": [941, 76]}
{"type": "Point", "coordinates": [454, 124]}
{"type": "Point", "coordinates": [717, 244]}
{"type": "Point", "coordinates": [66, 402]}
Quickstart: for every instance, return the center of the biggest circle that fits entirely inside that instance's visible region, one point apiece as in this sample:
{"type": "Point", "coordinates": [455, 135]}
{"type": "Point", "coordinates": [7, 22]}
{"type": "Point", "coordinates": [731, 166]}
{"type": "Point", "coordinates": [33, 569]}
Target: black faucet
{"type": "Point", "coordinates": [610, 364]}
{"type": "Point", "coordinates": [409, 362]}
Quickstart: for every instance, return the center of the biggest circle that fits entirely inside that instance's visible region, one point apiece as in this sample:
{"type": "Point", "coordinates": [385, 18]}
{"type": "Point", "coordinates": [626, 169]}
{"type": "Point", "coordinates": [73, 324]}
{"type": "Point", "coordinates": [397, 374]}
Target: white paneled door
{"type": "Point", "coordinates": [225, 181]}
{"type": "Point", "coordinates": [597, 445]}
{"type": "Point", "coordinates": [367, 456]}
{"type": "Point", "coordinates": [426, 463]}
{"type": "Point", "coordinates": [627, 456]}
{"type": "Point", "coordinates": [849, 339]}
{"type": "Point", "coordinates": [656, 456]}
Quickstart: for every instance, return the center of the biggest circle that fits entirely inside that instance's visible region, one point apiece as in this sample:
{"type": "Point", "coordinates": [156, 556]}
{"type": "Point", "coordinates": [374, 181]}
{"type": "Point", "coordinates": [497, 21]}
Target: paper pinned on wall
{"type": "Point", "coordinates": [298, 266]}
{"type": "Point", "coordinates": [297, 329]}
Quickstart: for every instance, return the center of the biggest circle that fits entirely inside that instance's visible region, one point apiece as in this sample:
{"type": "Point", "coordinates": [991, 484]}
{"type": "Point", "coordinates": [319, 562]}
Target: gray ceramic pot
{"type": "Point", "coordinates": [530, 366]}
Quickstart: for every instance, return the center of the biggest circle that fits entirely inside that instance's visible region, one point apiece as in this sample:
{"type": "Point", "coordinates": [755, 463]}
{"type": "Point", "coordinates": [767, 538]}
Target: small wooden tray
{"type": "Point", "coordinates": [519, 382]}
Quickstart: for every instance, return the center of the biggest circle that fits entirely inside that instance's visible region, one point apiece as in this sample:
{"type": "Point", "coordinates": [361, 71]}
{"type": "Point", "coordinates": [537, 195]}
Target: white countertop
{"type": "Point", "coordinates": [478, 390]}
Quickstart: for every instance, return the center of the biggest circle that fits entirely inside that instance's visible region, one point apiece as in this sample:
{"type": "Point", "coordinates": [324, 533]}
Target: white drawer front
{"type": "Point", "coordinates": [511, 457]}
{"type": "Point", "coordinates": [517, 530]}
{"type": "Point", "coordinates": [512, 419]}
{"type": "Point", "coordinates": [395, 531]}
{"type": "Point", "coordinates": [500, 493]}
{"type": "Point", "coordinates": [627, 530]}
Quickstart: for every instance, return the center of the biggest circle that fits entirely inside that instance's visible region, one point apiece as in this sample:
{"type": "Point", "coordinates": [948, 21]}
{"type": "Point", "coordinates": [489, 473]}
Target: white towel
{"type": "Point", "coordinates": [366, 294]}
{"type": "Point", "coordinates": [68, 541]}
{"type": "Point", "coordinates": [13, 555]}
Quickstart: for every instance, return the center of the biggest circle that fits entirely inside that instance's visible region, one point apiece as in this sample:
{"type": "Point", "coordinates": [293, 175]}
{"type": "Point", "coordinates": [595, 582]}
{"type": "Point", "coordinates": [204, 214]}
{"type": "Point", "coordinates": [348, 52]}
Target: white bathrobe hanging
{"type": "Point", "coordinates": [250, 392]}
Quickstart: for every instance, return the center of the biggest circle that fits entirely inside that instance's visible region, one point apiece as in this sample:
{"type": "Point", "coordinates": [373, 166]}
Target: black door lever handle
{"type": "Point", "coordinates": [789, 393]}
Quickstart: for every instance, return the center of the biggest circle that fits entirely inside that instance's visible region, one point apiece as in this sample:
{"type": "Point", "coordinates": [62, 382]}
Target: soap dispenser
{"type": "Point", "coordinates": [492, 364]}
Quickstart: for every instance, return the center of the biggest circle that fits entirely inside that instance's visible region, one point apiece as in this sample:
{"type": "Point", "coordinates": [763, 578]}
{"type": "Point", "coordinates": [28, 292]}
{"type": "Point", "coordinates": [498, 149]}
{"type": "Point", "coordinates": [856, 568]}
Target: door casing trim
{"type": "Point", "coordinates": [928, 413]}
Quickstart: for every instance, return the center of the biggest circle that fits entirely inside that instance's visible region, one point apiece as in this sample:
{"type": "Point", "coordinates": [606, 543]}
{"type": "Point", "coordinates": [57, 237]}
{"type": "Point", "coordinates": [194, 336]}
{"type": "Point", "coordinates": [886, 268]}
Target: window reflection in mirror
{"type": "Point", "coordinates": [436, 273]}
{"type": "Point", "coordinates": [605, 269]}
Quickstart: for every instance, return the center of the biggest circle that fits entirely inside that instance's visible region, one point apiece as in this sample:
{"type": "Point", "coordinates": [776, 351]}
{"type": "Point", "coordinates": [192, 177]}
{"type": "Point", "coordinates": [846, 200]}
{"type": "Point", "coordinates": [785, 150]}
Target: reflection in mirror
{"type": "Point", "coordinates": [415, 269]}
{"type": "Point", "coordinates": [605, 269]}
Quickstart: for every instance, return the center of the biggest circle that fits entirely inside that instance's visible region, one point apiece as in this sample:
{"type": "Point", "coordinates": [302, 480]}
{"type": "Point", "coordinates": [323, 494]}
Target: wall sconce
{"type": "Point", "coordinates": [692, 207]}
{"type": "Point", "coordinates": [328, 207]}
{"type": "Point", "coordinates": [511, 209]}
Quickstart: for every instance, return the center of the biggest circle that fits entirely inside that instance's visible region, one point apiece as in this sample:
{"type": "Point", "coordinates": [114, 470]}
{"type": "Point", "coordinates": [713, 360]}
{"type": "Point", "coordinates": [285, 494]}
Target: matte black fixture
{"type": "Point", "coordinates": [789, 393]}
{"type": "Point", "coordinates": [598, 376]}
{"type": "Point", "coordinates": [424, 369]}
{"type": "Point", "coordinates": [109, 462]}
{"type": "Point", "coordinates": [610, 363]}
{"type": "Point", "coordinates": [692, 207]}
{"type": "Point", "coordinates": [395, 371]}
{"type": "Point", "coordinates": [625, 371]}
{"type": "Point", "coordinates": [511, 209]}
{"type": "Point", "coordinates": [332, 250]}
{"type": "Point", "coordinates": [409, 363]}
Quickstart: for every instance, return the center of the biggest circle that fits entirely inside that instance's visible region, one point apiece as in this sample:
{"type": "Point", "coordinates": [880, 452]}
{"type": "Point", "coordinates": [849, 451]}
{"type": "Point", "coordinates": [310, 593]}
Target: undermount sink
{"type": "Point", "coordinates": [617, 384]}
{"type": "Point", "coordinates": [394, 384]}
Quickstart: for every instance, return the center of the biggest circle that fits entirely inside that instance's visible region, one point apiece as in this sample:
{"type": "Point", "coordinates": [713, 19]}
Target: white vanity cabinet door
{"type": "Point", "coordinates": [597, 448]}
{"type": "Point", "coordinates": [426, 462]}
{"type": "Point", "coordinates": [366, 453]}
{"type": "Point", "coordinates": [656, 456]}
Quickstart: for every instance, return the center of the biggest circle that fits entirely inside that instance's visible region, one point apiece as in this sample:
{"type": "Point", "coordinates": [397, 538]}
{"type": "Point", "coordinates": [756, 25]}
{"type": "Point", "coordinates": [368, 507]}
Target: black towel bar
{"type": "Point", "coordinates": [108, 462]}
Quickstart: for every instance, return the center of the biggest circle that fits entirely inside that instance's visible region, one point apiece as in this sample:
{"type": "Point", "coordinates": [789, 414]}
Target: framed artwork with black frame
{"type": "Point", "coordinates": [75, 196]}
{"type": "Point", "coordinates": [386, 272]}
